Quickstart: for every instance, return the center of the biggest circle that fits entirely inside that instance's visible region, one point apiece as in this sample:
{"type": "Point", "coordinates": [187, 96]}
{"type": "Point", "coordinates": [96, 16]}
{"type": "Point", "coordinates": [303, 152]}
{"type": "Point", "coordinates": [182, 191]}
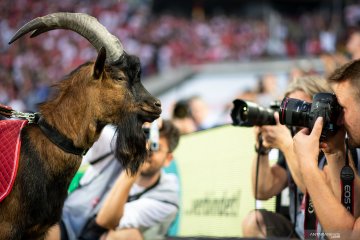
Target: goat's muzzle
{"type": "Point", "coordinates": [150, 112]}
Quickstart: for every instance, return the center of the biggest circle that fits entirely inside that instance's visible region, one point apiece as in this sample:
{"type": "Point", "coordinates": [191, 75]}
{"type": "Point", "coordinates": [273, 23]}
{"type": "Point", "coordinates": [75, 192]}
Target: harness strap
{"type": "Point", "coordinates": [66, 144]}
{"type": "Point", "coordinates": [8, 112]}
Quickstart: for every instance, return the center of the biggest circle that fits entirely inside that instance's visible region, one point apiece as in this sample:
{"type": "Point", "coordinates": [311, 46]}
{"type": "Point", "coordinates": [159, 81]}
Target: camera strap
{"type": "Point", "coordinates": [347, 182]}
{"type": "Point", "coordinates": [260, 140]}
{"type": "Point", "coordinates": [138, 195]}
{"type": "Point", "coordinates": [310, 221]}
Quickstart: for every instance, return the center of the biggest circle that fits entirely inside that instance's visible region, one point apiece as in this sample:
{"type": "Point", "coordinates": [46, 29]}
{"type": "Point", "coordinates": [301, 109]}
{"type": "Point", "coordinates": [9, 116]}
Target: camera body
{"type": "Point", "coordinates": [295, 112]}
{"type": "Point", "coordinates": [248, 114]}
{"type": "Point", "coordinates": [152, 135]}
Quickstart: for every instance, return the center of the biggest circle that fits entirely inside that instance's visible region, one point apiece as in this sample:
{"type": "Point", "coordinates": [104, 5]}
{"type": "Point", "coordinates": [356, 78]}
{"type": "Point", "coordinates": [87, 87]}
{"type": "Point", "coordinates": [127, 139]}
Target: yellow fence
{"type": "Point", "coordinates": [214, 167]}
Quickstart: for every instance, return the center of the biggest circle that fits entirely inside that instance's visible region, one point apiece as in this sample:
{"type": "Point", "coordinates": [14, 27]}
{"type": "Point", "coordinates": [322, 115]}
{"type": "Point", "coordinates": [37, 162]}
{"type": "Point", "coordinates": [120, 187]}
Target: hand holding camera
{"type": "Point", "coordinates": [275, 136]}
{"type": "Point", "coordinates": [294, 112]}
{"type": "Point", "coordinates": [306, 145]}
{"type": "Point", "coordinates": [335, 143]}
{"type": "Point", "coordinates": [266, 122]}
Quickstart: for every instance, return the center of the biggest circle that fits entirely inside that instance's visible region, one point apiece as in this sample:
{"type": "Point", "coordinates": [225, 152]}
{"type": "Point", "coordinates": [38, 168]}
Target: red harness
{"type": "Point", "coordinates": [10, 144]}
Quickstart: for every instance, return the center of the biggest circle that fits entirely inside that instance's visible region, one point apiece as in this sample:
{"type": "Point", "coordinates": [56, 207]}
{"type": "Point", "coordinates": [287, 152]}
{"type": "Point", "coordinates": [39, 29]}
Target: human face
{"type": "Point", "coordinates": [352, 46]}
{"type": "Point", "coordinates": [348, 99]}
{"type": "Point", "coordinates": [157, 159]}
{"type": "Point", "coordinates": [199, 110]}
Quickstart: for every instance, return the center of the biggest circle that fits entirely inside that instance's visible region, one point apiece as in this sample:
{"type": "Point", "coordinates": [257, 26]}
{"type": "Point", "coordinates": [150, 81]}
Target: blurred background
{"type": "Point", "coordinates": [186, 47]}
{"type": "Point", "coordinates": [197, 56]}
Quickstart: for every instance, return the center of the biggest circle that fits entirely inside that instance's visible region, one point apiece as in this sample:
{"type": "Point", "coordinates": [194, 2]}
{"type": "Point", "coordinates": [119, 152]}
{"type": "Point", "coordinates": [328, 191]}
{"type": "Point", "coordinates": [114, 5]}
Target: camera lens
{"type": "Point", "coordinates": [250, 114]}
{"type": "Point", "coordinates": [304, 108]}
{"type": "Point", "coordinates": [294, 112]}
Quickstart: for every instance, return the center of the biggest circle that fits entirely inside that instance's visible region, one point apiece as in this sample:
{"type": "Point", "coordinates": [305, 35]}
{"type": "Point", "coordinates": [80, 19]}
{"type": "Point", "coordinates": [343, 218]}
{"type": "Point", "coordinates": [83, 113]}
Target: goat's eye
{"type": "Point", "coordinates": [120, 79]}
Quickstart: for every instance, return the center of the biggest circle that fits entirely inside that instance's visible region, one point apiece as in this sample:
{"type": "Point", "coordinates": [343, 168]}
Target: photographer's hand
{"type": "Point", "coordinates": [334, 144]}
{"type": "Point", "coordinates": [306, 146]}
{"type": "Point", "coordinates": [276, 136]}
{"type": "Point", "coordinates": [279, 136]}
{"type": "Point", "coordinates": [274, 178]}
{"type": "Point", "coordinates": [271, 179]}
{"type": "Point", "coordinates": [332, 215]}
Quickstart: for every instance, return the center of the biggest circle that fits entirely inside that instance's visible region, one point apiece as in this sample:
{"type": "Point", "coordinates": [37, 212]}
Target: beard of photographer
{"type": "Point", "coordinates": [273, 179]}
{"type": "Point", "coordinates": [332, 215]}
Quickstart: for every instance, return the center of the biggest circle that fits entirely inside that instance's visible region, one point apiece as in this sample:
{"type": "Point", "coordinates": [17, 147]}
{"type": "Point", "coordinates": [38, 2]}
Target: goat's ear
{"type": "Point", "coordinates": [99, 64]}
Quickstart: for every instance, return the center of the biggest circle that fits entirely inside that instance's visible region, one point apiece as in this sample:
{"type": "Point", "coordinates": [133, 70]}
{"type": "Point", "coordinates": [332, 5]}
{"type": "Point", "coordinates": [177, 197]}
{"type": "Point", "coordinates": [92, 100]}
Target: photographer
{"type": "Point", "coordinates": [285, 173]}
{"type": "Point", "coordinates": [130, 207]}
{"type": "Point", "coordinates": [327, 199]}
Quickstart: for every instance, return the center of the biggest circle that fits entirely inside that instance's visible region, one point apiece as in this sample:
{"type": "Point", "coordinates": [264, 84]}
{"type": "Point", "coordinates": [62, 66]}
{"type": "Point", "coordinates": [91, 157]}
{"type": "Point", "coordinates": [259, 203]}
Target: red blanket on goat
{"type": "Point", "coordinates": [9, 153]}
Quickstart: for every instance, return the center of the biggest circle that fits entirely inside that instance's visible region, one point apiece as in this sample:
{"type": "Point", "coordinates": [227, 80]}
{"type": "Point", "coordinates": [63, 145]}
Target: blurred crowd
{"type": "Point", "coordinates": [162, 42]}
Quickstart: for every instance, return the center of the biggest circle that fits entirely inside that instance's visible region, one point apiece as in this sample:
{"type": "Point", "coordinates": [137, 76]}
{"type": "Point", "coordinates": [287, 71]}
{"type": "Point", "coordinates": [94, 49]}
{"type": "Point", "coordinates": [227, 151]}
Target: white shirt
{"type": "Point", "coordinates": [154, 211]}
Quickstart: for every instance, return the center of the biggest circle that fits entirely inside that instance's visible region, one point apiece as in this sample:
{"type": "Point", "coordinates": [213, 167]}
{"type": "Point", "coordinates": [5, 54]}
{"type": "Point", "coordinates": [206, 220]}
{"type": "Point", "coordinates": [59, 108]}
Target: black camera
{"type": "Point", "coordinates": [248, 114]}
{"type": "Point", "coordinates": [295, 112]}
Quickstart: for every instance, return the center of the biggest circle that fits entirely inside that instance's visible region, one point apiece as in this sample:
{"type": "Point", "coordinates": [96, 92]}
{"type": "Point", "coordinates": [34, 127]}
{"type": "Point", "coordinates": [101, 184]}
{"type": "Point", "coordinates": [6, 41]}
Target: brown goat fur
{"type": "Point", "coordinates": [93, 95]}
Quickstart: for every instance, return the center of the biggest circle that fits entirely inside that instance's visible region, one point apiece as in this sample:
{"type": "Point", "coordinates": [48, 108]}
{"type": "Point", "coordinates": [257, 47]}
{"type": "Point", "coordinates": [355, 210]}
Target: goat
{"type": "Point", "coordinates": [107, 91]}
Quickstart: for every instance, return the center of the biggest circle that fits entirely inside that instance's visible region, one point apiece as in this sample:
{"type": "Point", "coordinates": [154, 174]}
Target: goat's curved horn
{"type": "Point", "coordinates": [83, 24]}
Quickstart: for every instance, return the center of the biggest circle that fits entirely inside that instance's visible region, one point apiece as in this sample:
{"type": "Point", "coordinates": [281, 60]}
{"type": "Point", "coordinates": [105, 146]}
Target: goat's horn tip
{"type": "Point", "coordinates": [12, 40]}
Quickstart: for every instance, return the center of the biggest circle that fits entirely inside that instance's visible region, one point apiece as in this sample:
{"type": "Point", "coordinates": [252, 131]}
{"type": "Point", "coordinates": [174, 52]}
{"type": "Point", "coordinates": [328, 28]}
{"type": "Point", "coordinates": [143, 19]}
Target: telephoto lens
{"type": "Point", "coordinates": [248, 114]}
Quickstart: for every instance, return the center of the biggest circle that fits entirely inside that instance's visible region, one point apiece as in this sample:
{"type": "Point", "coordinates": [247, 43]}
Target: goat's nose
{"type": "Point", "coordinates": [157, 103]}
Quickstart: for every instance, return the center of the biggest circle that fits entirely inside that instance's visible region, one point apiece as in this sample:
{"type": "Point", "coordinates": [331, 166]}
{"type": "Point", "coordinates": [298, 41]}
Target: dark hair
{"type": "Point", "coordinates": [347, 72]}
{"type": "Point", "coordinates": [171, 133]}
{"type": "Point", "coordinates": [182, 109]}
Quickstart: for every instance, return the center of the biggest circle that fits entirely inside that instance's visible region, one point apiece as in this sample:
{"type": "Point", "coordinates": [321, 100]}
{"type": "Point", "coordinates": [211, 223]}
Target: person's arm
{"type": "Point", "coordinates": [334, 150]}
{"type": "Point", "coordinates": [284, 143]}
{"type": "Point", "coordinates": [113, 209]}
{"type": "Point", "coordinates": [333, 216]}
{"type": "Point", "coordinates": [271, 179]}
{"type": "Point", "coordinates": [147, 212]}
{"type": "Point", "coordinates": [123, 234]}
